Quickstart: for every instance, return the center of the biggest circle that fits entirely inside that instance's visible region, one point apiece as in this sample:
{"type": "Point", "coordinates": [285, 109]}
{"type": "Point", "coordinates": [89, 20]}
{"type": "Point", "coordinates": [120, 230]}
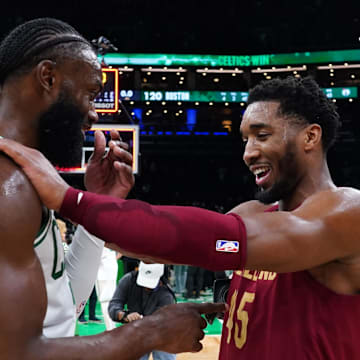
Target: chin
{"type": "Point", "coordinates": [267, 196]}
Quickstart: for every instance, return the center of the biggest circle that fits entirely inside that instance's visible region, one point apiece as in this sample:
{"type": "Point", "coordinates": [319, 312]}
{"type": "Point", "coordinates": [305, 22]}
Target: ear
{"type": "Point", "coordinates": [46, 75]}
{"type": "Point", "coordinates": [312, 136]}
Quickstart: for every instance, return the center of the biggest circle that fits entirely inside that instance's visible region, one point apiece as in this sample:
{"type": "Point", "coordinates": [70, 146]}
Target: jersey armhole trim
{"type": "Point", "coordinates": [41, 235]}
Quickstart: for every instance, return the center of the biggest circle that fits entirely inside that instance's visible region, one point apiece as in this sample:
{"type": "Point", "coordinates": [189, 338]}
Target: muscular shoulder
{"type": "Point", "coordinates": [337, 201]}
{"type": "Point", "coordinates": [20, 207]}
{"type": "Point", "coordinates": [338, 210]}
{"type": "Point", "coordinates": [249, 208]}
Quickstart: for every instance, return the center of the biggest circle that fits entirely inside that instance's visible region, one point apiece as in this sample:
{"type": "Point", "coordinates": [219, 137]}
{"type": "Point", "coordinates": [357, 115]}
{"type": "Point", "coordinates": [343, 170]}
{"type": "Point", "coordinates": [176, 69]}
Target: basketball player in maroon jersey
{"type": "Point", "coordinates": [295, 290]}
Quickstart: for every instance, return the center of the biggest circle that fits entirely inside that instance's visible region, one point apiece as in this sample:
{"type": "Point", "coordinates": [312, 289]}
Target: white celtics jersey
{"type": "Point", "coordinates": [60, 319]}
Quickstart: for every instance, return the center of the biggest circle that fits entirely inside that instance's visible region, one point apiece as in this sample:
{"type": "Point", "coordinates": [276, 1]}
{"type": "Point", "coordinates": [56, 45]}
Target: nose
{"type": "Point", "coordinates": [251, 153]}
{"type": "Point", "coordinates": [93, 116]}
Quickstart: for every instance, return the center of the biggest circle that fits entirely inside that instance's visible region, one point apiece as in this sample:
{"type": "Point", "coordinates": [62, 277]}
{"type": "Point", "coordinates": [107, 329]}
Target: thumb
{"type": "Point", "coordinates": [99, 146]}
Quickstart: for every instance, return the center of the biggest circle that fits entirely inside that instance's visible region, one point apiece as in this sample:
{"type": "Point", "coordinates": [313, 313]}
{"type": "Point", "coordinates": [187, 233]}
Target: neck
{"type": "Point", "coordinates": [318, 180]}
{"type": "Point", "coordinates": [18, 117]}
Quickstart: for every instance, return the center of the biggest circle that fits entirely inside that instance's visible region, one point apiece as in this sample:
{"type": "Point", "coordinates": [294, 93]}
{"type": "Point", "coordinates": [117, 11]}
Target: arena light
{"type": "Point", "coordinates": [284, 69]}
{"type": "Point", "coordinates": [345, 66]}
{"type": "Point", "coordinates": [165, 69]}
{"type": "Point", "coordinates": [126, 69]}
{"type": "Point", "coordinates": [219, 71]}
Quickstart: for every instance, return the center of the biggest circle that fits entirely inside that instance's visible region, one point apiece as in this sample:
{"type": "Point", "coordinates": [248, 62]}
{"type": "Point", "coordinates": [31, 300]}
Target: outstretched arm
{"type": "Point", "coordinates": [322, 229]}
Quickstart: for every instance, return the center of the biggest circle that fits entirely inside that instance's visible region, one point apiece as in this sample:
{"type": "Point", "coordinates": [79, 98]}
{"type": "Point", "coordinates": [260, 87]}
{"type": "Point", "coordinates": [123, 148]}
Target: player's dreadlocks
{"type": "Point", "coordinates": [37, 40]}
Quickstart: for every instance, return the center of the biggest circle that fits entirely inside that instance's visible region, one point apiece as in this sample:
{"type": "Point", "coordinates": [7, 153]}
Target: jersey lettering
{"type": "Point", "coordinates": [242, 315]}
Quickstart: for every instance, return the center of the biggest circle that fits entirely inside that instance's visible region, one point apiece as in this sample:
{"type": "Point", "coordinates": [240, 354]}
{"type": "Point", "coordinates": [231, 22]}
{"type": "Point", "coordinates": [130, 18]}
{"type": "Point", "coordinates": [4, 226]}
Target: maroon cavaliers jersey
{"type": "Point", "coordinates": [288, 316]}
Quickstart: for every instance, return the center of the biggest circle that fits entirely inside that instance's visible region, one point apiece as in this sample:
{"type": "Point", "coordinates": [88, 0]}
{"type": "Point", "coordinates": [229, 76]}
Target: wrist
{"type": "Point", "coordinates": [148, 327]}
{"type": "Point", "coordinates": [61, 193]}
{"type": "Point", "coordinates": [122, 316]}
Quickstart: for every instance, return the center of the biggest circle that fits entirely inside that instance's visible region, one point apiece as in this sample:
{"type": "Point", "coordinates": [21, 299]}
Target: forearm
{"type": "Point", "coordinates": [124, 343]}
{"type": "Point", "coordinates": [82, 264]}
{"type": "Point", "coordinates": [183, 235]}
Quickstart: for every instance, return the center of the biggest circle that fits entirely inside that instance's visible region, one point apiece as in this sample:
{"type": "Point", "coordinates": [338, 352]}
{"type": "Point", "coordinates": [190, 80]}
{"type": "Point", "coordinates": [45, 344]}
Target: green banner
{"type": "Point", "coordinates": [299, 58]}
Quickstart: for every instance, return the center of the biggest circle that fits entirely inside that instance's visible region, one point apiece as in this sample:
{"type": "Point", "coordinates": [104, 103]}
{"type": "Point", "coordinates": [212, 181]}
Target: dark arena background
{"type": "Point", "coordinates": [188, 109]}
{"type": "Point", "coordinates": [176, 80]}
{"type": "Point", "coordinates": [184, 70]}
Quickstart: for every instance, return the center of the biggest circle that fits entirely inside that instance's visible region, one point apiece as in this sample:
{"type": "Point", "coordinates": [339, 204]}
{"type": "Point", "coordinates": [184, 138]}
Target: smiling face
{"type": "Point", "coordinates": [271, 151]}
{"type": "Point", "coordinates": [62, 125]}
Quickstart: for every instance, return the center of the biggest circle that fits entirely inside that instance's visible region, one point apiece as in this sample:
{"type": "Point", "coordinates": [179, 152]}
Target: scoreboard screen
{"type": "Point", "coordinates": [218, 96]}
{"type": "Point", "coordinates": [128, 133]}
{"type": "Point", "coordinates": [108, 100]}
{"type": "Point", "coordinates": [193, 96]}
{"type": "Point", "coordinates": [341, 93]}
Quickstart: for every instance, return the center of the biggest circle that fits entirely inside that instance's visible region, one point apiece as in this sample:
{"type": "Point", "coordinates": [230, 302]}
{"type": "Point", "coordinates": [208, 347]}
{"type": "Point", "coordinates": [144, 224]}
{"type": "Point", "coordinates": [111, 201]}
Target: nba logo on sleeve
{"type": "Point", "coordinates": [227, 246]}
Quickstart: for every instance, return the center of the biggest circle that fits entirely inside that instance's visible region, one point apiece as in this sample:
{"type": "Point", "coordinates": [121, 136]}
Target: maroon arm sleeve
{"type": "Point", "coordinates": [176, 234]}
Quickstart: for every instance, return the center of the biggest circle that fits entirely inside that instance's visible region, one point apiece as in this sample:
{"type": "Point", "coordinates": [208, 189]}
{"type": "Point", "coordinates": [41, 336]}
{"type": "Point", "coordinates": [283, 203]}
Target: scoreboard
{"type": "Point", "coordinates": [195, 96]}
{"type": "Point", "coordinates": [218, 96]}
{"type": "Point", "coordinates": [108, 100]}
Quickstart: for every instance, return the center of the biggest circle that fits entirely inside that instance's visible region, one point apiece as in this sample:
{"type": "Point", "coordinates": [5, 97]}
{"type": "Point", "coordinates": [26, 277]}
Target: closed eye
{"type": "Point", "coordinates": [263, 136]}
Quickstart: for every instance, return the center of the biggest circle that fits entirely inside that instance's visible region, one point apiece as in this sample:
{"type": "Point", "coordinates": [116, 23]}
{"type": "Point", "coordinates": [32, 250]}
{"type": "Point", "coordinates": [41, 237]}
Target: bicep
{"type": "Point", "coordinates": [299, 240]}
{"type": "Point", "coordinates": [22, 288]}
{"type": "Point", "coordinates": [23, 304]}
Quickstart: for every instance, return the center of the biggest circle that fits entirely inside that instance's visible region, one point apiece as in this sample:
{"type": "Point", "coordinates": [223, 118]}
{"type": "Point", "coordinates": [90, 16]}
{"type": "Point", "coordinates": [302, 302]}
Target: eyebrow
{"type": "Point", "coordinates": [258, 126]}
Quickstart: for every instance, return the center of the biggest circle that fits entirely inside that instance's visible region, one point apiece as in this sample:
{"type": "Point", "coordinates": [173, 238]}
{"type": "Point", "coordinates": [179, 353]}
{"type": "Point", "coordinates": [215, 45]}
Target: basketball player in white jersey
{"type": "Point", "coordinates": [49, 77]}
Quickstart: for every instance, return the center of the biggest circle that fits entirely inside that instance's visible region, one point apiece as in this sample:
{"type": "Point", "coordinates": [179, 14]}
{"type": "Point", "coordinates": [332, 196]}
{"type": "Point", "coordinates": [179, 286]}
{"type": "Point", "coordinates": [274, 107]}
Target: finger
{"type": "Point", "coordinates": [125, 172]}
{"type": "Point", "coordinates": [120, 167]}
{"type": "Point", "coordinates": [18, 152]}
{"type": "Point", "coordinates": [118, 154]}
{"type": "Point", "coordinates": [197, 347]}
{"type": "Point", "coordinates": [203, 323]}
{"type": "Point", "coordinates": [115, 135]}
{"type": "Point", "coordinates": [99, 146]}
{"type": "Point", "coordinates": [207, 308]}
{"type": "Point", "coordinates": [119, 143]}
{"type": "Point", "coordinates": [201, 336]}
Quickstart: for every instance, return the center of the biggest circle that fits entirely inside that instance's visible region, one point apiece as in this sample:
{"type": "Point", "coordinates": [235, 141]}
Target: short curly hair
{"type": "Point", "coordinates": [36, 40]}
{"type": "Point", "coordinates": [302, 100]}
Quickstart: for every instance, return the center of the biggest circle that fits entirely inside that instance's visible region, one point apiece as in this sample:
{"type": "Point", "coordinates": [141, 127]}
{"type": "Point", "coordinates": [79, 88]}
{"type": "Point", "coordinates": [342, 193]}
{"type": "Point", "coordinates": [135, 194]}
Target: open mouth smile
{"type": "Point", "coordinates": [262, 174]}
